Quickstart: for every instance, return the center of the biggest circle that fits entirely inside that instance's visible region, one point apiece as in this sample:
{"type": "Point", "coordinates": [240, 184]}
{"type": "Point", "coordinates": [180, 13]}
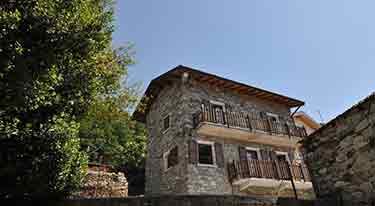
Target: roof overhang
{"type": "Point", "coordinates": [158, 83]}
{"type": "Point", "coordinates": [307, 120]}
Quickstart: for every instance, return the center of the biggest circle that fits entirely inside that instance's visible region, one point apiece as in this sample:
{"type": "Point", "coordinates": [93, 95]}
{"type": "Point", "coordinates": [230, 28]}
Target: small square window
{"type": "Point", "coordinates": [205, 154]}
{"type": "Point", "coordinates": [166, 123]}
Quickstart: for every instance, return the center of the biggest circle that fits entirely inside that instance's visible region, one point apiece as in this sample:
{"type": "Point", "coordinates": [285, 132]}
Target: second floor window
{"type": "Point", "coordinates": [166, 123]}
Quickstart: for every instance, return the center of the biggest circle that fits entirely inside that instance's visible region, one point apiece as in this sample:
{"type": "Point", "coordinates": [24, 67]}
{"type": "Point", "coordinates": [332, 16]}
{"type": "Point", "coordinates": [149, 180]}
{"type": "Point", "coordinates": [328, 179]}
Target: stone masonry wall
{"type": "Point", "coordinates": [341, 155]}
{"type": "Point", "coordinates": [159, 181]}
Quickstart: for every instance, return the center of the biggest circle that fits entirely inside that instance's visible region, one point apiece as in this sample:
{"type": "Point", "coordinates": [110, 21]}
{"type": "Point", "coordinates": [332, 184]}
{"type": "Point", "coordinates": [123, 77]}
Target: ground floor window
{"type": "Point", "coordinates": [171, 158]}
{"type": "Point", "coordinates": [206, 154]}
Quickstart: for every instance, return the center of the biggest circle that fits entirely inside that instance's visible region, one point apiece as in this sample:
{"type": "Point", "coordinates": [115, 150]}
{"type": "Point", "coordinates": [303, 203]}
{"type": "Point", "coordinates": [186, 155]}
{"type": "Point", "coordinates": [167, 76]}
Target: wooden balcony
{"type": "Point", "coordinates": [268, 173]}
{"type": "Point", "coordinates": [269, 169]}
{"type": "Point", "coordinates": [216, 122]}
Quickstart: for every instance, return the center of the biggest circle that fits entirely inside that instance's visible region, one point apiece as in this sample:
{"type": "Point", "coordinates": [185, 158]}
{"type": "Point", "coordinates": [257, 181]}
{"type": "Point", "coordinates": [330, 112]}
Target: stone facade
{"type": "Point", "coordinates": [158, 181]}
{"type": "Point", "coordinates": [181, 99]}
{"type": "Point", "coordinates": [341, 155]}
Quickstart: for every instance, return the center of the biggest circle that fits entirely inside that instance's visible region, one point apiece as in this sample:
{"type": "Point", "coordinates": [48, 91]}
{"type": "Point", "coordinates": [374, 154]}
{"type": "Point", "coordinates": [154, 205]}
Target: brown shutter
{"type": "Point", "coordinates": [242, 152]}
{"type": "Point", "coordinates": [291, 156]}
{"type": "Point", "coordinates": [193, 152]}
{"type": "Point", "coordinates": [219, 155]}
{"type": "Point", "coordinates": [265, 154]}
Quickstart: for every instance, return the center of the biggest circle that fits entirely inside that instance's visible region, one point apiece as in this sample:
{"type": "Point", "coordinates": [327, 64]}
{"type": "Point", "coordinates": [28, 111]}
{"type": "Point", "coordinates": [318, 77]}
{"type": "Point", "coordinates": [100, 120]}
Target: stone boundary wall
{"type": "Point", "coordinates": [98, 184]}
{"type": "Point", "coordinates": [341, 155]}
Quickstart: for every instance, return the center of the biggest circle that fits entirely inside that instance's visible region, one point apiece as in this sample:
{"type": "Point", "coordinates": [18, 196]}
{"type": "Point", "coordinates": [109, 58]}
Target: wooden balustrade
{"type": "Point", "coordinates": [246, 121]}
{"type": "Point", "coordinates": [269, 169]}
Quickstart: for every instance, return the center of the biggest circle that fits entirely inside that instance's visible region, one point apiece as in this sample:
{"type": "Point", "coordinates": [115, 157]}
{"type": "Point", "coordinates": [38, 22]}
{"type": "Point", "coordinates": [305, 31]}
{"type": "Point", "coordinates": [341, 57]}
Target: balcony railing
{"type": "Point", "coordinates": [269, 169]}
{"type": "Point", "coordinates": [246, 121]}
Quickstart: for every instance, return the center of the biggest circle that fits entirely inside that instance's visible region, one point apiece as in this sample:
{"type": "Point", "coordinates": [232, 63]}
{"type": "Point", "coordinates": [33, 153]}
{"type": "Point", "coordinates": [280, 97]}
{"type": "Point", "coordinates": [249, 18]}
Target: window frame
{"type": "Point", "coordinates": [285, 154]}
{"type": "Point", "coordinates": [169, 122]}
{"type": "Point", "coordinates": [257, 150]}
{"type": "Point", "coordinates": [165, 158]}
{"type": "Point", "coordinates": [212, 144]}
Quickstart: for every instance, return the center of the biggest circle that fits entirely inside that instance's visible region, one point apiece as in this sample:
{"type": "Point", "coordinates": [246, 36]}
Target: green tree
{"type": "Point", "coordinates": [55, 60]}
{"type": "Point", "coordinates": [109, 135]}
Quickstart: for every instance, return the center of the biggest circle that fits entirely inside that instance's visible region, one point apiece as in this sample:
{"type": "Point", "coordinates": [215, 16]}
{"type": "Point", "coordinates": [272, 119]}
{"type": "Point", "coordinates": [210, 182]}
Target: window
{"type": "Point", "coordinates": [252, 153]}
{"type": "Point", "coordinates": [171, 158]}
{"type": "Point", "coordinates": [206, 153]}
{"type": "Point", "coordinates": [166, 123]}
{"type": "Point", "coordinates": [282, 157]}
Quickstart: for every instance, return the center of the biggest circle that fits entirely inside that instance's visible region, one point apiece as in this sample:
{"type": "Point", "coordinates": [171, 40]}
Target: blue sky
{"type": "Point", "coordinates": [321, 52]}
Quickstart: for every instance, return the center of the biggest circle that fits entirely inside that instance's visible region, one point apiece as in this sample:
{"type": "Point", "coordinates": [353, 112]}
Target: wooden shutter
{"type": "Point", "coordinates": [265, 154]}
{"type": "Point", "coordinates": [242, 152]}
{"type": "Point", "coordinates": [219, 155]}
{"type": "Point", "coordinates": [291, 156]}
{"type": "Point", "coordinates": [193, 152]}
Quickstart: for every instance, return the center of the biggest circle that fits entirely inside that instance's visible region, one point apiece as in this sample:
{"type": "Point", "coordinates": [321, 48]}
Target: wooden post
{"type": "Point", "coordinates": [248, 122]}
{"type": "Point", "coordinates": [269, 126]}
{"type": "Point", "coordinates": [287, 129]}
{"type": "Point", "coordinates": [224, 119]}
{"type": "Point", "coordinates": [292, 181]}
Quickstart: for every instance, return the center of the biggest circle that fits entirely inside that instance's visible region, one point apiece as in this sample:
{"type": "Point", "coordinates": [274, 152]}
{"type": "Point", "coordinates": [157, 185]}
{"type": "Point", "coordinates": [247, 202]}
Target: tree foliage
{"type": "Point", "coordinates": [108, 133]}
{"type": "Point", "coordinates": [55, 60]}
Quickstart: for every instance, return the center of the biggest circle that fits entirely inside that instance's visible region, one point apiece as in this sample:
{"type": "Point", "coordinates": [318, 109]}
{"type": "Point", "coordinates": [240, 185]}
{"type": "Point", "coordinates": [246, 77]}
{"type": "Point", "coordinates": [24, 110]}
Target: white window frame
{"type": "Point", "coordinates": [212, 144]}
{"type": "Point", "coordinates": [284, 153]}
{"type": "Point", "coordinates": [218, 104]}
{"type": "Point", "coordinates": [257, 150]}
{"type": "Point", "coordinates": [169, 125]}
{"type": "Point", "coordinates": [165, 158]}
{"type": "Point", "coordinates": [273, 115]}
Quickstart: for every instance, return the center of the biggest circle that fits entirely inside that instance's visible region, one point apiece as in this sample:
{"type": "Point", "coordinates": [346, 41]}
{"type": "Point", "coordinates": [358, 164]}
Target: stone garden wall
{"type": "Point", "coordinates": [99, 184]}
{"type": "Point", "coordinates": [341, 155]}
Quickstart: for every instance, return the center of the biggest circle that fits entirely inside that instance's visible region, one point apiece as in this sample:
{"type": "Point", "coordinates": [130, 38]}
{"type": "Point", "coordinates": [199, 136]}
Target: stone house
{"type": "Point", "coordinates": [211, 135]}
{"type": "Point", "coordinates": [341, 155]}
